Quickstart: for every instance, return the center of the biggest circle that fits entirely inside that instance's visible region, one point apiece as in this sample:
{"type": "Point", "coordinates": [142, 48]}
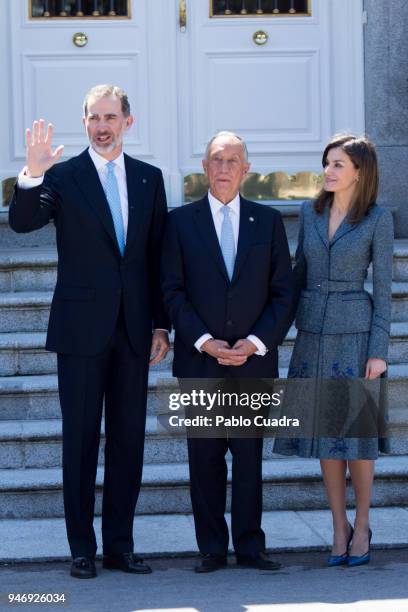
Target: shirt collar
{"type": "Point", "coordinates": [100, 162]}
{"type": "Point", "coordinates": [216, 205]}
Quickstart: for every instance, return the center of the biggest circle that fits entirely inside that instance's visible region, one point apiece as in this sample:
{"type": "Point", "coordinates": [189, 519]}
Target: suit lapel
{"type": "Point", "coordinates": [247, 227]}
{"type": "Point", "coordinates": [137, 186]}
{"type": "Point", "coordinates": [205, 226]}
{"type": "Point", "coordinates": [344, 228]}
{"type": "Point", "coordinates": [88, 182]}
{"type": "Point", "coordinates": [322, 226]}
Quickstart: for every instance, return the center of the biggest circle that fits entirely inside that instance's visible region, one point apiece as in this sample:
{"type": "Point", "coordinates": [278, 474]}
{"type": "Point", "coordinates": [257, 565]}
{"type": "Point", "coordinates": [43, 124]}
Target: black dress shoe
{"type": "Point", "coordinates": [83, 567]}
{"type": "Point", "coordinates": [259, 561]}
{"type": "Point", "coordinates": [126, 562]}
{"type": "Point", "coordinates": [210, 563]}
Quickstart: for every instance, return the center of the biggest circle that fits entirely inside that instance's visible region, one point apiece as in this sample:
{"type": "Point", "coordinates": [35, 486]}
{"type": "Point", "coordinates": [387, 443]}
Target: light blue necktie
{"type": "Point", "coordinates": [227, 241]}
{"type": "Point", "coordinates": [113, 197]}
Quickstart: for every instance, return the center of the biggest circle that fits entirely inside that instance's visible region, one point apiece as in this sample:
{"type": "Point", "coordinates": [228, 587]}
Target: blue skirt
{"type": "Point", "coordinates": [331, 366]}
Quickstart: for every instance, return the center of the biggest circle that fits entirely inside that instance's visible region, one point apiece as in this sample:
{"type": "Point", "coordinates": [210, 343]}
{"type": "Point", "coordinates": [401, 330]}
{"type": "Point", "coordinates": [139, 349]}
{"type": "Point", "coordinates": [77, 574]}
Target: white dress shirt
{"type": "Point", "coordinates": [218, 217]}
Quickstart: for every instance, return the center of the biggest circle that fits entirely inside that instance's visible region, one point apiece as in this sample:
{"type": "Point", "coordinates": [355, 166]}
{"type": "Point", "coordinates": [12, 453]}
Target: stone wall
{"type": "Point", "coordinates": [386, 99]}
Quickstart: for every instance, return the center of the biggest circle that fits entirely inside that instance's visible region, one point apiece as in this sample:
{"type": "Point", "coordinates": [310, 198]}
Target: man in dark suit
{"type": "Point", "coordinates": [227, 284]}
{"type": "Point", "coordinates": [109, 211]}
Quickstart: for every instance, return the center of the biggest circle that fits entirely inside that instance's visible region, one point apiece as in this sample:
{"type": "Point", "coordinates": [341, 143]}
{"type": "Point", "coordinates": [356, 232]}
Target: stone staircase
{"type": "Point", "coordinates": [30, 425]}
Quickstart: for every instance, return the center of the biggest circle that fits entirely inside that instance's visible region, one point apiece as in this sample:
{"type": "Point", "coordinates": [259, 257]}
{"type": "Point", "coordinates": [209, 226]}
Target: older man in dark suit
{"type": "Point", "coordinates": [109, 212]}
{"type": "Point", "coordinates": [227, 284]}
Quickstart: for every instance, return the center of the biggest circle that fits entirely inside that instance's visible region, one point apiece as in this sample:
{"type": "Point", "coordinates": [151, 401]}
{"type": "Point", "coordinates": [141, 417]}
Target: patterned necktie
{"type": "Point", "coordinates": [227, 241]}
{"type": "Point", "coordinates": [112, 195]}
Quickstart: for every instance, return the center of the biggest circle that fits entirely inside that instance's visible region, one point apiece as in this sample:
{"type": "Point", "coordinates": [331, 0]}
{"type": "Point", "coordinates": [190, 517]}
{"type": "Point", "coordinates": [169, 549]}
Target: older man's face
{"type": "Point", "coordinates": [225, 168]}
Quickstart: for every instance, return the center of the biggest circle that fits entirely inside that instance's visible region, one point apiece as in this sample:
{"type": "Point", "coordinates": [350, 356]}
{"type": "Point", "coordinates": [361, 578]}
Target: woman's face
{"type": "Point", "coordinates": [339, 172]}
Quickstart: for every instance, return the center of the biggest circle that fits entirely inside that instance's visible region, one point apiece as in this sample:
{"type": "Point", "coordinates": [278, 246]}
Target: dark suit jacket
{"type": "Point", "coordinates": [92, 275]}
{"type": "Point", "coordinates": [200, 298]}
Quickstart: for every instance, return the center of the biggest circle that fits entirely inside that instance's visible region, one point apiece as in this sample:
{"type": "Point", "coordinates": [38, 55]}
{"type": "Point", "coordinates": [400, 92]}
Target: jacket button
{"type": "Point", "coordinates": [230, 322]}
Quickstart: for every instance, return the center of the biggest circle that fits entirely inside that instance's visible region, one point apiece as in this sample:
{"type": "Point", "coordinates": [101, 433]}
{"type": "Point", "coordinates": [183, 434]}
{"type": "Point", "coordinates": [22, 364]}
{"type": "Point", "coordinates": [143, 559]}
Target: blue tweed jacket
{"type": "Point", "coordinates": [329, 276]}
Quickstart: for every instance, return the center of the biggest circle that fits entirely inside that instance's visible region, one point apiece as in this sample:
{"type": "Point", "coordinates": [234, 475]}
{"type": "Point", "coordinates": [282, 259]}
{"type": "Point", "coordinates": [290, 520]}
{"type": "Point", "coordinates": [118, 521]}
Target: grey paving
{"type": "Point", "coordinates": [303, 584]}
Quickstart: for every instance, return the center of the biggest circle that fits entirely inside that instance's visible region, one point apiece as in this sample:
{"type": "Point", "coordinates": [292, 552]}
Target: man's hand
{"type": "Point", "coordinates": [374, 368]}
{"type": "Point", "coordinates": [160, 346]}
{"type": "Point", "coordinates": [213, 347]}
{"type": "Point", "coordinates": [40, 156]}
{"type": "Point", "coordinates": [223, 353]}
{"type": "Point", "coordinates": [239, 353]}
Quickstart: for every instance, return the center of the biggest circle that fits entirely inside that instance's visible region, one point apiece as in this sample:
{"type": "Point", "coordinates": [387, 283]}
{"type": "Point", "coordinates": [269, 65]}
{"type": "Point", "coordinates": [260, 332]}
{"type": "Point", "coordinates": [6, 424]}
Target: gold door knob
{"type": "Point", "coordinates": [80, 39]}
{"type": "Point", "coordinates": [260, 37]}
{"type": "Point", "coordinates": [183, 15]}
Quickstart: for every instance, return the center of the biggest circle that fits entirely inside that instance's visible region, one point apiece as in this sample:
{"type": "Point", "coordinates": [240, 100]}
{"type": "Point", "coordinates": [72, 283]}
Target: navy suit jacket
{"type": "Point", "coordinates": [92, 276]}
{"type": "Point", "coordinates": [200, 298]}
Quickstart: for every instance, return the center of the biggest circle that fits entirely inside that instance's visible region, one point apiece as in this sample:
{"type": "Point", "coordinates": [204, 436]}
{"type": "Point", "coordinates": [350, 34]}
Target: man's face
{"type": "Point", "coordinates": [105, 125]}
{"type": "Point", "coordinates": [225, 168]}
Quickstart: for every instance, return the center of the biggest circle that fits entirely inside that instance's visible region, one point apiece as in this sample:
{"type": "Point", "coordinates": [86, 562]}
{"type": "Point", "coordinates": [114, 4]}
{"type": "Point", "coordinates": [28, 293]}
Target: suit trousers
{"type": "Point", "coordinates": [209, 474]}
{"type": "Point", "coordinates": [117, 378]}
{"type": "Point", "coordinates": [208, 488]}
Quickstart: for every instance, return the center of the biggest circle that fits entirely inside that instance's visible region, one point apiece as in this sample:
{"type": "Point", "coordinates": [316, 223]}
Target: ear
{"type": "Point", "coordinates": [129, 121]}
{"type": "Point", "coordinates": [246, 168]}
{"type": "Point", "coordinates": [205, 165]}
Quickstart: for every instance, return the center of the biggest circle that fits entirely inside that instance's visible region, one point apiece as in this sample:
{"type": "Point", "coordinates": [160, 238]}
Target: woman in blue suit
{"type": "Point", "coordinates": [343, 333]}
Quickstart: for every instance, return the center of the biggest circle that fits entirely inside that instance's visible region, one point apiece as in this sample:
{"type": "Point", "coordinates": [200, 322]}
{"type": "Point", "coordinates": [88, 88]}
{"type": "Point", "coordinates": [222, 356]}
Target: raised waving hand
{"type": "Point", "coordinates": [40, 156]}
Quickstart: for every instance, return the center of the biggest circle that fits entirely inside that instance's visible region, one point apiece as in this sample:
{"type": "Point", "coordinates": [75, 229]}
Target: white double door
{"type": "Point", "coordinates": [285, 98]}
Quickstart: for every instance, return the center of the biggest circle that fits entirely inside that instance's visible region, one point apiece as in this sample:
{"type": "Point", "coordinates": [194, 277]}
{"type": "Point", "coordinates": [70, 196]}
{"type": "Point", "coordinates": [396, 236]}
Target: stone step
{"type": "Point", "coordinates": [400, 271]}
{"type": "Point", "coordinates": [28, 311]}
{"type": "Point", "coordinates": [289, 484]}
{"type": "Point", "coordinates": [36, 397]}
{"type": "Point", "coordinates": [172, 535]}
{"type": "Point", "coordinates": [24, 311]}
{"type": "Point", "coordinates": [28, 269]}
{"type": "Point", "coordinates": [34, 269]}
{"type": "Point", "coordinates": [23, 353]}
{"type": "Point", "coordinates": [38, 443]}
{"type": "Point", "coordinates": [39, 238]}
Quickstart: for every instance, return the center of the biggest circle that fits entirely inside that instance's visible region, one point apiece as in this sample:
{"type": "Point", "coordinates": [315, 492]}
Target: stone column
{"type": "Point", "coordinates": [386, 99]}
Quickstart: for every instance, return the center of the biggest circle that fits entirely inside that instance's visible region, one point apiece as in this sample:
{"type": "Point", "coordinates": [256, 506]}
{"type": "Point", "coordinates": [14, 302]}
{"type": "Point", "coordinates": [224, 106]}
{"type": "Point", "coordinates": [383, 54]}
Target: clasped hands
{"type": "Point", "coordinates": [229, 355]}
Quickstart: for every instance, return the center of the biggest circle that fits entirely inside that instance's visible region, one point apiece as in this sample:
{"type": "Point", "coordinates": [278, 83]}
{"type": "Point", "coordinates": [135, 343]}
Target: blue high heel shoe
{"type": "Point", "coordinates": [335, 560]}
{"type": "Point", "coordinates": [355, 560]}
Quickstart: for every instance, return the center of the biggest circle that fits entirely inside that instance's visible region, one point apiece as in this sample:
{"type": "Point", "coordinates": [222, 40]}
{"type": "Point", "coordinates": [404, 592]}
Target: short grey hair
{"type": "Point", "coordinates": [226, 134]}
{"type": "Point", "coordinates": [105, 91]}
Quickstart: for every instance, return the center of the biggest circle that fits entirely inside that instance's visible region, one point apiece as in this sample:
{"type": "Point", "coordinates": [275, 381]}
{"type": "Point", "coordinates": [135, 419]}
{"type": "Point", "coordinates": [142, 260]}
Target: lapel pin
{"type": "Point", "coordinates": [251, 219]}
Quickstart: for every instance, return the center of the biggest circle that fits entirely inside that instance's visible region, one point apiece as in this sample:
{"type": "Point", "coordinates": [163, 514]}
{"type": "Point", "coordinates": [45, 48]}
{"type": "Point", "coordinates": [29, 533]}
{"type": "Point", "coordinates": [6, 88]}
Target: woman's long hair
{"type": "Point", "coordinates": [364, 158]}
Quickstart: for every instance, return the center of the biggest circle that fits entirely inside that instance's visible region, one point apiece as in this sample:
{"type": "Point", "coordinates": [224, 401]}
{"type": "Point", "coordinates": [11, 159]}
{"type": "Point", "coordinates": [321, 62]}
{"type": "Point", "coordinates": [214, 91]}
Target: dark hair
{"type": "Point", "coordinates": [104, 91]}
{"type": "Point", "coordinates": [364, 158]}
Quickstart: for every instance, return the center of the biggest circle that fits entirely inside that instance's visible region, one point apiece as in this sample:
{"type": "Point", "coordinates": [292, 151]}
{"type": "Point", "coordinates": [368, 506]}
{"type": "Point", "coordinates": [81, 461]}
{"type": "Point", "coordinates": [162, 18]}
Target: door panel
{"type": "Point", "coordinates": [280, 96]}
{"type": "Point", "coordinates": [285, 97]}
{"type": "Point", "coordinates": [50, 76]}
